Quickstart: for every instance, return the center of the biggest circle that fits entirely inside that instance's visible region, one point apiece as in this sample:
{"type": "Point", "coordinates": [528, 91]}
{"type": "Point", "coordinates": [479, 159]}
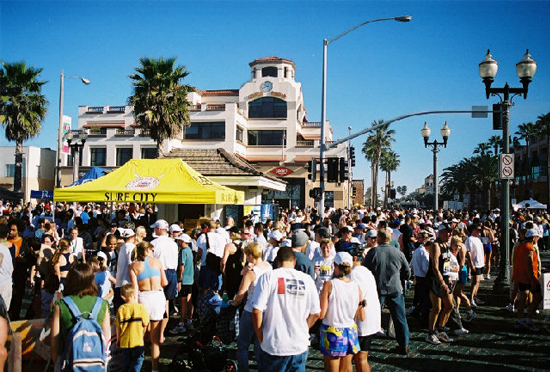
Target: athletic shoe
{"type": "Point", "coordinates": [479, 301]}
{"type": "Point", "coordinates": [410, 310]}
{"type": "Point", "coordinates": [189, 325]}
{"type": "Point", "coordinates": [461, 331]}
{"type": "Point", "coordinates": [442, 336]}
{"type": "Point", "coordinates": [473, 303]}
{"type": "Point", "coordinates": [510, 308]}
{"type": "Point", "coordinates": [432, 339]}
{"type": "Point", "coordinates": [179, 329]}
{"type": "Point", "coordinates": [470, 315]}
{"type": "Point", "coordinates": [445, 329]}
{"type": "Point", "coordinates": [488, 277]}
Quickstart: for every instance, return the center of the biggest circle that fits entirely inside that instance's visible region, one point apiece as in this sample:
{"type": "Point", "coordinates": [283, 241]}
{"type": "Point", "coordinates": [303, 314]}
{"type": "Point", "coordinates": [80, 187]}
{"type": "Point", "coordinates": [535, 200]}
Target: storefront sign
{"type": "Point", "coordinates": [282, 171]}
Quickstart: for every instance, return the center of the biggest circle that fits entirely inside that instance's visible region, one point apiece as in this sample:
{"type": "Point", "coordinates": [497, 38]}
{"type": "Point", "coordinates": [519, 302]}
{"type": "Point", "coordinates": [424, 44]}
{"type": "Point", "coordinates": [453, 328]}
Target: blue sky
{"type": "Point", "coordinates": [380, 71]}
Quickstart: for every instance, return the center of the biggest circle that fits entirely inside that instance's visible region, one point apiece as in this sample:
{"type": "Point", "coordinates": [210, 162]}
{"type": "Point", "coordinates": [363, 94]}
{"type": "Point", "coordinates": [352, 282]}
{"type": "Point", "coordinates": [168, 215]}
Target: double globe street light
{"type": "Point", "coordinates": [445, 133]}
{"type": "Point", "coordinates": [60, 132]}
{"type": "Point", "coordinates": [326, 42]}
{"type": "Point", "coordinates": [525, 70]}
{"type": "Point", "coordinates": [76, 144]}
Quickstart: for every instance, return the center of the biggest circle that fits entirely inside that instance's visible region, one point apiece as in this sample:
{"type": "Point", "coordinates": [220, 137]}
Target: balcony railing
{"type": "Point", "coordinates": [102, 132]}
{"type": "Point", "coordinates": [116, 109]}
{"type": "Point", "coordinates": [305, 143]}
{"type": "Point", "coordinates": [315, 124]}
{"type": "Point", "coordinates": [215, 107]}
{"type": "Point", "coordinates": [95, 110]}
{"type": "Point", "coordinates": [120, 132]}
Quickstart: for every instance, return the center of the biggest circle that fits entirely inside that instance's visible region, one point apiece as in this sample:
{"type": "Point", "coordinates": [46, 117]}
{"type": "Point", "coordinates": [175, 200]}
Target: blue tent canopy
{"type": "Point", "coordinates": [92, 174]}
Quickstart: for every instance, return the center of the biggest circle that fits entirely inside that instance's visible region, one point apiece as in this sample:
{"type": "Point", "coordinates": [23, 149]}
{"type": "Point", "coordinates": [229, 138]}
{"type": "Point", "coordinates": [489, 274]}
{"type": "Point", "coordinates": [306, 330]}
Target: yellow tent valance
{"type": "Point", "coordinates": [159, 181]}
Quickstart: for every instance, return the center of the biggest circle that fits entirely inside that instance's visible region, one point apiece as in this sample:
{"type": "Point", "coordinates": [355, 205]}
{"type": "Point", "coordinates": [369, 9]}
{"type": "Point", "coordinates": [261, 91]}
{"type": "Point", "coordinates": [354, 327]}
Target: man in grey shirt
{"type": "Point", "coordinates": [389, 267]}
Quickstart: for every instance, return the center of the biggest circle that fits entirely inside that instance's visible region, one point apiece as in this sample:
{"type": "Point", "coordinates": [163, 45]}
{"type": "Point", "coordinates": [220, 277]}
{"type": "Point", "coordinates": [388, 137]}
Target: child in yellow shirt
{"type": "Point", "coordinates": [131, 322]}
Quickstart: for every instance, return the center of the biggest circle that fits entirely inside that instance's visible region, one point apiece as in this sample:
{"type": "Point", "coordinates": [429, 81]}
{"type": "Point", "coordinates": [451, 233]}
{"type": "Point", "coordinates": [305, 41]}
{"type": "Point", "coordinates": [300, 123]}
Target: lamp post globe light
{"type": "Point", "coordinates": [76, 145]}
{"type": "Point", "coordinates": [525, 69]}
{"type": "Point", "coordinates": [322, 147]}
{"type": "Point", "coordinates": [445, 133]}
{"type": "Point", "coordinates": [60, 132]}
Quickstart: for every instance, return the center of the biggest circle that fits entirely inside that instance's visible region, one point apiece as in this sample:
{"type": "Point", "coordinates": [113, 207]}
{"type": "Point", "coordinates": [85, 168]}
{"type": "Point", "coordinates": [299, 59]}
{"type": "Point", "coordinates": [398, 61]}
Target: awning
{"type": "Point", "coordinates": [159, 181]}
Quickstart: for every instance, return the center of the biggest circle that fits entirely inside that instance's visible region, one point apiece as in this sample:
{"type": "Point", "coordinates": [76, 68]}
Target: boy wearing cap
{"type": "Point", "coordinates": [186, 274]}
{"type": "Point", "coordinates": [123, 264]}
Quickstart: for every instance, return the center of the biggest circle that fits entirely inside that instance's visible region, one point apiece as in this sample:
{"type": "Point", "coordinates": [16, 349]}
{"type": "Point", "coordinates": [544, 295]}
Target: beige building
{"type": "Point", "coordinates": [263, 124]}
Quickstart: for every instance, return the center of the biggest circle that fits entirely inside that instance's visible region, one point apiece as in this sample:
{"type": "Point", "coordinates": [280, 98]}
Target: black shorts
{"type": "Point", "coordinates": [365, 342]}
{"type": "Point", "coordinates": [186, 289]}
{"type": "Point", "coordinates": [478, 271]}
{"type": "Point", "coordinates": [527, 287]}
{"type": "Point", "coordinates": [435, 285]}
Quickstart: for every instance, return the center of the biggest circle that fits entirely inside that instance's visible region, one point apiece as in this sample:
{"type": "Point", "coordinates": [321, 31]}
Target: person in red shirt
{"type": "Point", "coordinates": [526, 274]}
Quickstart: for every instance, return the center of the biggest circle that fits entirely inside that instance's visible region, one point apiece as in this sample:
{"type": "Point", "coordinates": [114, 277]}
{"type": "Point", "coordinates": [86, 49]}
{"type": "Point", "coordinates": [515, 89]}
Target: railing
{"type": "Point", "coordinates": [316, 124]}
{"type": "Point", "coordinates": [97, 132]}
{"type": "Point", "coordinates": [215, 107]}
{"type": "Point", "coordinates": [305, 143]}
{"type": "Point", "coordinates": [95, 110]}
{"type": "Point", "coordinates": [120, 132]}
{"type": "Point", "coordinates": [116, 109]}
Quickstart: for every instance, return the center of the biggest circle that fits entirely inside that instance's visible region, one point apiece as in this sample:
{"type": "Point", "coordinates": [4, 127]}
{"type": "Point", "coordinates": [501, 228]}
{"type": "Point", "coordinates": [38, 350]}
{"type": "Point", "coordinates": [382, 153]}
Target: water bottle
{"type": "Point", "coordinates": [225, 301]}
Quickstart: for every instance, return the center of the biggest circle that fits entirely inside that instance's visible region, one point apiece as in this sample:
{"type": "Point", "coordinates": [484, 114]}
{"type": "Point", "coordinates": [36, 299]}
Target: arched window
{"type": "Point", "coordinates": [267, 107]}
{"type": "Point", "coordinates": [269, 71]}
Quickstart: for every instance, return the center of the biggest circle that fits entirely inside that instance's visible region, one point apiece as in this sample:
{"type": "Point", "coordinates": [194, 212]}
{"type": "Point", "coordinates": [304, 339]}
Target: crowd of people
{"type": "Point", "coordinates": [297, 282]}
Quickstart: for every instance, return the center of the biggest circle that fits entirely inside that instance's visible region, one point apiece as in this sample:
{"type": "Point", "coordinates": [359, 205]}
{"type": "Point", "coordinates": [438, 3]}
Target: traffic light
{"type": "Point", "coordinates": [352, 155]}
{"type": "Point", "coordinates": [392, 194]}
{"type": "Point", "coordinates": [332, 170]}
{"type": "Point", "coordinates": [315, 193]}
{"type": "Point", "coordinates": [312, 169]}
{"type": "Point", "coordinates": [497, 116]}
{"type": "Point", "coordinates": [344, 170]}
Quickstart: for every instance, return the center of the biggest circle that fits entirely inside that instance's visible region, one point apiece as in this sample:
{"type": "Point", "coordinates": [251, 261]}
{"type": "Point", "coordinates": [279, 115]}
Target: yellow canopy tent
{"type": "Point", "coordinates": [159, 181]}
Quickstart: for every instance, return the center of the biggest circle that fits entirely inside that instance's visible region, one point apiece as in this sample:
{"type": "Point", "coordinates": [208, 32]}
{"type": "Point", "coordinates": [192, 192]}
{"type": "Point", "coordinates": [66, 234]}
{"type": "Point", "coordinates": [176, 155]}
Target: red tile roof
{"type": "Point", "coordinates": [271, 59]}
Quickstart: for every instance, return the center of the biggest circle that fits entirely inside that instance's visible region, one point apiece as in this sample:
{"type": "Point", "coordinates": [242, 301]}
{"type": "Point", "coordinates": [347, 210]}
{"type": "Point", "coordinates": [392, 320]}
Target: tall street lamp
{"type": "Point", "coordinates": [404, 18]}
{"type": "Point", "coordinates": [445, 133]}
{"type": "Point", "coordinates": [60, 133]}
{"type": "Point", "coordinates": [488, 69]}
{"type": "Point", "coordinates": [76, 145]}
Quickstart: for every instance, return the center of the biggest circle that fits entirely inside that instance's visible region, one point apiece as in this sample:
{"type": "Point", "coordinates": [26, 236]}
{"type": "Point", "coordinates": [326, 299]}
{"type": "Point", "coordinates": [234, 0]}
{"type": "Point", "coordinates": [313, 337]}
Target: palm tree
{"type": "Point", "coordinates": [496, 142]}
{"type": "Point", "coordinates": [389, 162]}
{"type": "Point", "coordinates": [482, 148]}
{"type": "Point", "coordinates": [372, 148]}
{"type": "Point", "coordinates": [160, 98]}
{"type": "Point", "coordinates": [22, 108]}
{"type": "Point", "coordinates": [528, 132]}
{"type": "Point", "coordinates": [543, 125]}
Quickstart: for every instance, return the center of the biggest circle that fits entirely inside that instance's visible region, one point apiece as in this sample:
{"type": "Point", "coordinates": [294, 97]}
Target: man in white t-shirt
{"type": "Point", "coordinates": [286, 305]}
{"type": "Point", "coordinates": [210, 279]}
{"type": "Point", "coordinates": [166, 250]}
{"type": "Point", "coordinates": [477, 261]}
{"type": "Point", "coordinates": [123, 264]}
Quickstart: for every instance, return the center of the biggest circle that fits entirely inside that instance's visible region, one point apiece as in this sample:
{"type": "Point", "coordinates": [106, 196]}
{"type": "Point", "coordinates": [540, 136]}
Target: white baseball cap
{"type": "Point", "coordinates": [160, 224]}
{"type": "Point", "coordinates": [186, 238]}
{"type": "Point", "coordinates": [175, 227]}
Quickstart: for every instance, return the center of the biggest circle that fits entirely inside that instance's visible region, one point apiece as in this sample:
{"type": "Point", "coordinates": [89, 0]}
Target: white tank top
{"type": "Point", "coordinates": [342, 304]}
{"type": "Point", "coordinates": [259, 272]}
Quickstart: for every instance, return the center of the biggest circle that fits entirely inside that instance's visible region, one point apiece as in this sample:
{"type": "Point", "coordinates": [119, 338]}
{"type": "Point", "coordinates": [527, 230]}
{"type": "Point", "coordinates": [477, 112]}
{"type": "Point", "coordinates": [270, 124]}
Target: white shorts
{"type": "Point", "coordinates": [154, 302]}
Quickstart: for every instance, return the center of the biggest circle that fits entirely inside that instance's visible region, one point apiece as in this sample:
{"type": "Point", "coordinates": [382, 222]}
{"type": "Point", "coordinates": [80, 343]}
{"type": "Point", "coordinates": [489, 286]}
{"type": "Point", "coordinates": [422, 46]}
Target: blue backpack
{"type": "Point", "coordinates": [85, 345]}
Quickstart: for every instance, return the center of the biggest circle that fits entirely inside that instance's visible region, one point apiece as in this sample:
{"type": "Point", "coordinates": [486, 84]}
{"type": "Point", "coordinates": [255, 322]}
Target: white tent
{"type": "Point", "coordinates": [530, 204]}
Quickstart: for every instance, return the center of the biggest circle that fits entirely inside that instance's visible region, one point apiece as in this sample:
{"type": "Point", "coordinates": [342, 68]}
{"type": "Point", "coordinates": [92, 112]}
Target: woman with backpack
{"type": "Point", "coordinates": [80, 290]}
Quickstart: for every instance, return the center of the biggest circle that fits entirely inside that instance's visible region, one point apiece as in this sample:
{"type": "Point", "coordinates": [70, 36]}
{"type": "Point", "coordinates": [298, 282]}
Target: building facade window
{"type": "Point", "coordinates": [206, 131]}
{"type": "Point", "coordinates": [240, 134]}
{"type": "Point", "coordinates": [10, 170]}
{"type": "Point", "coordinates": [265, 137]}
{"type": "Point", "coordinates": [269, 71]}
{"type": "Point", "coordinates": [149, 153]}
{"type": "Point", "coordinates": [123, 154]}
{"type": "Point", "coordinates": [267, 108]}
{"type": "Point", "coordinates": [98, 156]}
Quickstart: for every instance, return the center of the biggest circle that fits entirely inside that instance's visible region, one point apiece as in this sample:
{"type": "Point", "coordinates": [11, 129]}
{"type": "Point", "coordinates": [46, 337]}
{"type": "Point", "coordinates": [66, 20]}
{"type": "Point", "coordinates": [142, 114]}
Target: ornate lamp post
{"type": "Point", "coordinates": [488, 69]}
{"type": "Point", "coordinates": [60, 133]}
{"type": "Point", "coordinates": [445, 133]}
{"type": "Point", "coordinates": [76, 145]}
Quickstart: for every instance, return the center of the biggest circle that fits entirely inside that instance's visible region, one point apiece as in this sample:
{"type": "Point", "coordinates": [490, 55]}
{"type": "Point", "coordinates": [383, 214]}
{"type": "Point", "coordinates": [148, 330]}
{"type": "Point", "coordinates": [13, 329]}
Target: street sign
{"type": "Point", "coordinates": [506, 168]}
